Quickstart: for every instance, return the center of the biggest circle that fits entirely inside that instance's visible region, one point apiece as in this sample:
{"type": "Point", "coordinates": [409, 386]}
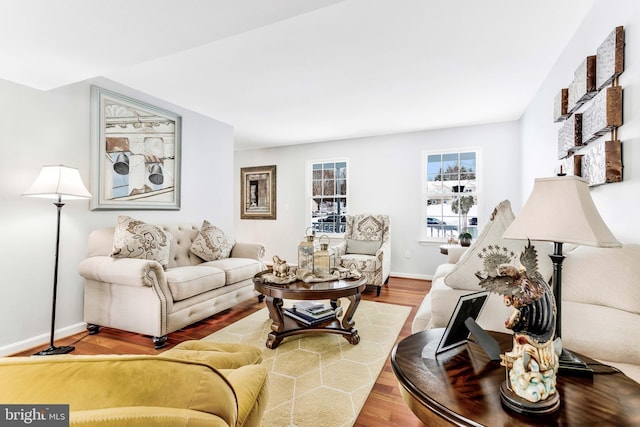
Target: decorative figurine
{"type": "Point", "coordinates": [280, 267]}
{"type": "Point", "coordinates": [532, 364]}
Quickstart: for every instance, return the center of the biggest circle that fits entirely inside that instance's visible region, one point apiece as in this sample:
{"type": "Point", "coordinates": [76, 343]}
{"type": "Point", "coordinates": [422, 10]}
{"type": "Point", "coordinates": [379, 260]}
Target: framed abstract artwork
{"type": "Point", "coordinates": [258, 192]}
{"type": "Point", "coordinates": [135, 154]}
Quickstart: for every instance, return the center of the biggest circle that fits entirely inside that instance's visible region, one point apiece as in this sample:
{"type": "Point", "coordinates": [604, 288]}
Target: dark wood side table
{"type": "Point", "coordinates": [462, 387]}
{"type": "Point", "coordinates": [283, 326]}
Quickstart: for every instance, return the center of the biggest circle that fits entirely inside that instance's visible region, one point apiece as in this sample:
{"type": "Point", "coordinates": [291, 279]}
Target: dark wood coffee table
{"type": "Point", "coordinates": [283, 326]}
{"type": "Point", "coordinates": [462, 387]}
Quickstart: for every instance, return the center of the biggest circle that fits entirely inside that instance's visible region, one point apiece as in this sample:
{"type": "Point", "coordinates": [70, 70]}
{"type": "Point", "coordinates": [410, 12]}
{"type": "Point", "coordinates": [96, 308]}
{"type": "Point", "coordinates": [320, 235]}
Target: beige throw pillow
{"type": "Point", "coordinates": [363, 247]}
{"type": "Point", "coordinates": [211, 243]}
{"type": "Point", "coordinates": [463, 274]}
{"type": "Point", "coordinates": [135, 239]}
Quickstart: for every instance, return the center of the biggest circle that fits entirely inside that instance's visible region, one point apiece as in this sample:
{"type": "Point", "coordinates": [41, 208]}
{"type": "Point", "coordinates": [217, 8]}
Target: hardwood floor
{"type": "Point", "coordinates": [384, 406]}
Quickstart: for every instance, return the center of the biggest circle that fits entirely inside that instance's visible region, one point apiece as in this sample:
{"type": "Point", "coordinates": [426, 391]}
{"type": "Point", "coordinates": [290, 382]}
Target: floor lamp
{"type": "Point", "coordinates": [560, 210]}
{"type": "Point", "coordinates": [57, 182]}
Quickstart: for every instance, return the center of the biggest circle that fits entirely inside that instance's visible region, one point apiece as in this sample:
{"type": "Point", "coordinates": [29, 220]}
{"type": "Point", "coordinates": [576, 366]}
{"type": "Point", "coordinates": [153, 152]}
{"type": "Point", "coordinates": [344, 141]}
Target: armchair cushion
{"type": "Point", "coordinates": [364, 247]}
{"type": "Point", "coordinates": [217, 354]}
{"type": "Point", "coordinates": [135, 239]}
{"type": "Point", "coordinates": [211, 243]}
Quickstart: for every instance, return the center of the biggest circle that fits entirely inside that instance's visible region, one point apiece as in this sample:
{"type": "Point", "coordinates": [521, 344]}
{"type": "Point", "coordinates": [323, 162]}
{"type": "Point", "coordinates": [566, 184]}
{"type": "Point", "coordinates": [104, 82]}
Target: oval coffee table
{"type": "Point", "coordinates": [462, 387]}
{"type": "Point", "coordinates": [283, 326]}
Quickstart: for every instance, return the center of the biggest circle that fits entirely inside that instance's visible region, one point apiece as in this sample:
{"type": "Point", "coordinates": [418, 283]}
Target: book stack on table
{"type": "Point", "coordinates": [310, 313]}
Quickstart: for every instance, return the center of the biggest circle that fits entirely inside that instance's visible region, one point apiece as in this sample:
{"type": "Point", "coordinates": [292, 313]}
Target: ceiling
{"type": "Point", "coordinates": [285, 72]}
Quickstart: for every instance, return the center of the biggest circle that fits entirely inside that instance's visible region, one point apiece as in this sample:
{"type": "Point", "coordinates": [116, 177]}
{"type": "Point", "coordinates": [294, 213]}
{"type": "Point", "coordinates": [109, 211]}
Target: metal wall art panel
{"type": "Point", "coordinates": [602, 163]}
{"type": "Point", "coordinates": [610, 58]}
{"type": "Point", "coordinates": [583, 86]}
{"type": "Point", "coordinates": [570, 135]}
{"type": "Point", "coordinates": [603, 114]}
{"type": "Point", "coordinates": [560, 104]}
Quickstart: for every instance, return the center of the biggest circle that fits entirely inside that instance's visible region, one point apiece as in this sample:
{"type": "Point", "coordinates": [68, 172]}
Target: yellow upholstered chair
{"type": "Point", "coordinates": [180, 387]}
{"type": "Point", "coordinates": [366, 247]}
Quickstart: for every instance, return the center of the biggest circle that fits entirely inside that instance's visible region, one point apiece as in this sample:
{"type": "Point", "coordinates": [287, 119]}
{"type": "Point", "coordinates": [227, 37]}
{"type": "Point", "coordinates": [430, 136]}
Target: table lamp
{"type": "Point", "coordinates": [57, 182]}
{"type": "Point", "coordinates": [560, 210]}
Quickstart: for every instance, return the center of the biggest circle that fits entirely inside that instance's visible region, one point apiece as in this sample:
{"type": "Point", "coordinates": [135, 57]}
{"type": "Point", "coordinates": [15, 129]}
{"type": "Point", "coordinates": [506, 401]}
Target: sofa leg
{"type": "Point", "coordinates": [260, 298]}
{"type": "Point", "coordinates": [378, 290]}
{"type": "Point", "coordinates": [93, 329]}
{"type": "Point", "coordinates": [159, 342]}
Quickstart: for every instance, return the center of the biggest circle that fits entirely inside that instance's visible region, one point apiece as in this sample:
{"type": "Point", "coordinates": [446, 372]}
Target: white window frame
{"type": "Point", "coordinates": [427, 237]}
{"type": "Point", "coordinates": [320, 229]}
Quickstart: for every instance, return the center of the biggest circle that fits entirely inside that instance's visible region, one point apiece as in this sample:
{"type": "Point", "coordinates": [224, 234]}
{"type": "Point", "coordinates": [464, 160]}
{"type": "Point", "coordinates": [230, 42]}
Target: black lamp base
{"type": "Point", "coordinates": [570, 364]}
{"type": "Point", "coordinates": [53, 350]}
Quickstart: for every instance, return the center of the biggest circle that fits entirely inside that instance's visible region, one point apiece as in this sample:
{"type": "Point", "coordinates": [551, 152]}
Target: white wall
{"type": "Point", "coordinates": [384, 177]}
{"type": "Point", "coordinates": [618, 203]}
{"type": "Point", "coordinates": [42, 128]}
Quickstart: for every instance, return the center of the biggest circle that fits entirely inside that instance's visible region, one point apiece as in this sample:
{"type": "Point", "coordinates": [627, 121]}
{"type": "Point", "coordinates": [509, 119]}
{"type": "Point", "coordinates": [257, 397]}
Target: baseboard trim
{"type": "Point", "coordinates": [412, 276]}
{"type": "Point", "coordinates": [40, 340]}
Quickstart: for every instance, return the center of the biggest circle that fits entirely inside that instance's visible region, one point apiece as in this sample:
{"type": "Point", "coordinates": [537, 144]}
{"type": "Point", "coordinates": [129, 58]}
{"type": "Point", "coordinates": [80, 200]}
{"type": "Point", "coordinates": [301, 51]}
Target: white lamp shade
{"type": "Point", "coordinates": [58, 181]}
{"type": "Point", "coordinates": [560, 209]}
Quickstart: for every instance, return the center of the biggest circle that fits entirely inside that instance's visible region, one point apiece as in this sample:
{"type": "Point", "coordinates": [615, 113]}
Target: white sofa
{"type": "Point", "coordinates": [138, 295]}
{"type": "Point", "coordinates": [600, 300]}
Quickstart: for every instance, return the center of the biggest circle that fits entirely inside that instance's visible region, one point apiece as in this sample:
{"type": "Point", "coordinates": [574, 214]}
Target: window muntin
{"type": "Point", "coordinates": [329, 196]}
{"type": "Point", "coordinates": [450, 196]}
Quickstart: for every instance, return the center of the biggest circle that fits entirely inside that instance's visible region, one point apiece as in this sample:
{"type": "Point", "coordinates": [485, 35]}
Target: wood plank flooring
{"type": "Point", "coordinates": [384, 406]}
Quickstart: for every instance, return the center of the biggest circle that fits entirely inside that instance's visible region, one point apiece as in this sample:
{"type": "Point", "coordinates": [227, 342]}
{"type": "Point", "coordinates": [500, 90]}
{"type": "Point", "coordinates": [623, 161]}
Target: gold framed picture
{"type": "Point", "coordinates": [258, 192]}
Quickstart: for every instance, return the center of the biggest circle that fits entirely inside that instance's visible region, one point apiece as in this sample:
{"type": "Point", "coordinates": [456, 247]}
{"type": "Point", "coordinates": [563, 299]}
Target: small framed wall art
{"type": "Point", "coordinates": [135, 152]}
{"type": "Point", "coordinates": [258, 192]}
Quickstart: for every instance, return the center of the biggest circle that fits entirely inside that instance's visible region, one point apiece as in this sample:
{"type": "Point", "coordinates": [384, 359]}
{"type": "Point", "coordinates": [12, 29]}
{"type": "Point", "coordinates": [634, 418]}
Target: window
{"type": "Point", "coordinates": [450, 194]}
{"type": "Point", "coordinates": [329, 196]}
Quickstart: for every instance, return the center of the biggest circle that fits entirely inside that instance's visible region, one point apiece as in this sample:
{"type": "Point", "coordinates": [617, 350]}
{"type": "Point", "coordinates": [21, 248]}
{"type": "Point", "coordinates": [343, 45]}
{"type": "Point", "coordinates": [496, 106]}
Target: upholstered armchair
{"type": "Point", "coordinates": [197, 383]}
{"type": "Point", "coordinates": [366, 248]}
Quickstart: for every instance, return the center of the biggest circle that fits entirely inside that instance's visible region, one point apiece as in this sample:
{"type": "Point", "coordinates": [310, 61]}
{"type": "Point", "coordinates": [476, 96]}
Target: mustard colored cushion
{"type": "Point", "coordinates": [89, 383]}
{"type": "Point", "coordinates": [212, 243]}
{"type": "Point", "coordinates": [135, 239]}
{"type": "Point", "coordinates": [144, 416]}
{"type": "Point", "coordinates": [251, 385]}
{"type": "Point", "coordinates": [218, 355]}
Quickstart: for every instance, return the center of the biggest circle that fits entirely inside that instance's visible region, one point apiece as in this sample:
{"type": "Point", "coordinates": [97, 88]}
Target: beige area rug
{"type": "Point", "coordinates": [321, 380]}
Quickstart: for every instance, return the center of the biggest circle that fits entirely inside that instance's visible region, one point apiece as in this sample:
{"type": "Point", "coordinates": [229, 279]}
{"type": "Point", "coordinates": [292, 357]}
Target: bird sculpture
{"type": "Point", "coordinates": [533, 361]}
{"type": "Point", "coordinates": [522, 288]}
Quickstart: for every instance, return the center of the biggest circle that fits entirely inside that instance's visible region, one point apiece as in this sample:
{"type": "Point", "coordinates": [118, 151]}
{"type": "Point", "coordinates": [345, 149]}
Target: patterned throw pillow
{"type": "Point", "coordinates": [463, 274]}
{"type": "Point", "coordinates": [211, 243]}
{"type": "Point", "coordinates": [135, 239]}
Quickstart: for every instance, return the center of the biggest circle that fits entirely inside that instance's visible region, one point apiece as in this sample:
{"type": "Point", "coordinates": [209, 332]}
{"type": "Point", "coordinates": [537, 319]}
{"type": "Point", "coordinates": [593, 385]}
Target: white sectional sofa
{"type": "Point", "coordinates": [139, 295]}
{"type": "Point", "coordinates": [600, 297]}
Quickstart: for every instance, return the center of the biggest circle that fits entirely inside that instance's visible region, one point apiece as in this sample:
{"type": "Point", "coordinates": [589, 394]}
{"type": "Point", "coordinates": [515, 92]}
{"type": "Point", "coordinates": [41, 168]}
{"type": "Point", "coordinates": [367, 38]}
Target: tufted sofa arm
{"type": "Point", "coordinates": [248, 250]}
{"type": "Point", "coordinates": [124, 271]}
